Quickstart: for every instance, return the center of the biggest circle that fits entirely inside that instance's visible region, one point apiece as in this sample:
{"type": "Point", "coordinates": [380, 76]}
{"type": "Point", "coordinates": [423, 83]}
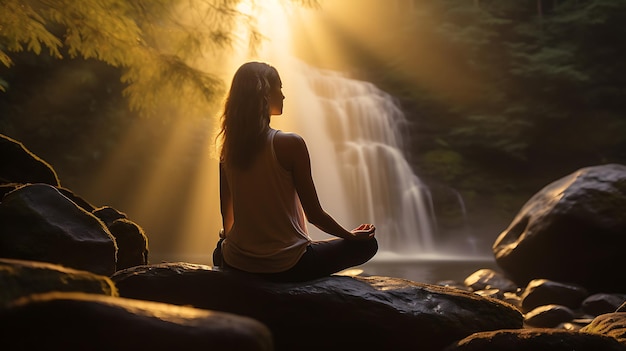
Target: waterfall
{"type": "Point", "coordinates": [361, 127]}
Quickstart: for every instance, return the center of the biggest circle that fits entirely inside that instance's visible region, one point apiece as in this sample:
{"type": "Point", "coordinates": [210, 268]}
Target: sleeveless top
{"type": "Point", "coordinates": [269, 233]}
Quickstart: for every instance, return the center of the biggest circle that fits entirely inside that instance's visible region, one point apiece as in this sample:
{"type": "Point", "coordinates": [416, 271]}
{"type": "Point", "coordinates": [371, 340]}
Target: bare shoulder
{"type": "Point", "coordinates": [289, 147]}
{"type": "Point", "coordinates": [286, 140]}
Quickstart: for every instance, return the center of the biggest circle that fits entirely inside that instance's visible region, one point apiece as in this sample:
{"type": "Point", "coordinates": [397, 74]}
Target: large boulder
{"type": "Point", "coordinates": [573, 230]}
{"type": "Point", "coordinates": [19, 278]}
{"type": "Point", "coordinates": [39, 223]}
{"type": "Point", "coordinates": [20, 165]}
{"type": "Point", "coordinates": [78, 321]}
{"type": "Point", "coordinates": [132, 243]}
{"type": "Point", "coordinates": [332, 313]}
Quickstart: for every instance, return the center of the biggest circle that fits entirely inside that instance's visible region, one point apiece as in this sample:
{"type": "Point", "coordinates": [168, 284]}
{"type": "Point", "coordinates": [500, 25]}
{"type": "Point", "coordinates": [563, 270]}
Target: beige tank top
{"type": "Point", "coordinates": [269, 233]}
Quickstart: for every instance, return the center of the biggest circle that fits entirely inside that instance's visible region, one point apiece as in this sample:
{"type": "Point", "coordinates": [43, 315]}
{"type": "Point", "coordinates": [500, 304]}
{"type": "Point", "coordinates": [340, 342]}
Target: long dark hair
{"type": "Point", "coordinates": [246, 114]}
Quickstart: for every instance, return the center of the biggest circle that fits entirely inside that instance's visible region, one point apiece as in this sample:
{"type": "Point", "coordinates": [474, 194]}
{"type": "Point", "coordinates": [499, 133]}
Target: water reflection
{"type": "Point", "coordinates": [428, 271]}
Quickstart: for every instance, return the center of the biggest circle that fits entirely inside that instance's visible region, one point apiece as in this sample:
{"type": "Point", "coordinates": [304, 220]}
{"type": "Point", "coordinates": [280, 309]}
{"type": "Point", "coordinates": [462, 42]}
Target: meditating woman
{"type": "Point", "coordinates": [267, 192]}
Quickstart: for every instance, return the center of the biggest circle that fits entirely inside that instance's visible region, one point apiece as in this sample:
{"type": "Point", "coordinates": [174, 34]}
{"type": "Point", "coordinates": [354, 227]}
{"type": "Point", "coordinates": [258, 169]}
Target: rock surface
{"type": "Point", "coordinates": [540, 292]}
{"type": "Point", "coordinates": [20, 165]}
{"type": "Point", "coordinates": [38, 223]}
{"type": "Point", "coordinates": [19, 278]}
{"type": "Point", "coordinates": [610, 324]}
{"type": "Point", "coordinates": [79, 321]}
{"type": "Point", "coordinates": [535, 340]}
{"type": "Point", "coordinates": [573, 231]}
{"type": "Point", "coordinates": [356, 313]}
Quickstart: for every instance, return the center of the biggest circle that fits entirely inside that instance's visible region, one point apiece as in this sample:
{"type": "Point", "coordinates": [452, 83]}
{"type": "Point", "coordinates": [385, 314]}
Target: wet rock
{"type": "Point", "coordinates": [79, 321]}
{"type": "Point", "coordinates": [548, 316]}
{"type": "Point", "coordinates": [541, 292]}
{"type": "Point", "coordinates": [536, 339]}
{"type": "Point", "coordinates": [572, 231]}
{"type": "Point", "coordinates": [493, 293]}
{"type": "Point", "coordinates": [571, 326]}
{"type": "Point", "coordinates": [512, 298]}
{"type": "Point", "coordinates": [610, 324]}
{"type": "Point", "coordinates": [454, 284]}
{"type": "Point", "coordinates": [602, 303]}
{"type": "Point", "coordinates": [38, 223]}
{"type": "Point", "coordinates": [19, 278]}
{"type": "Point", "coordinates": [366, 313]}
{"type": "Point", "coordinates": [489, 279]}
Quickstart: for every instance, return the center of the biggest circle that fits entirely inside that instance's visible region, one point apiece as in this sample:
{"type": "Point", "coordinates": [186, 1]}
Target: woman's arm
{"type": "Point", "coordinates": [226, 203]}
{"type": "Point", "coordinates": [293, 155]}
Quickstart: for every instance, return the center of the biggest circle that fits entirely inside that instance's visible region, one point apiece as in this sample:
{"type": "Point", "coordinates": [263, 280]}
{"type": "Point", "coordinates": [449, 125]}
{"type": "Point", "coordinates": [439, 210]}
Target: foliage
{"type": "Point", "coordinates": [443, 162]}
{"type": "Point", "coordinates": [544, 71]}
{"type": "Point", "coordinates": [156, 43]}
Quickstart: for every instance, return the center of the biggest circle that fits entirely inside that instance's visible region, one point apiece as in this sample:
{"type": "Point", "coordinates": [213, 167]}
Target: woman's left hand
{"type": "Point", "coordinates": [363, 232]}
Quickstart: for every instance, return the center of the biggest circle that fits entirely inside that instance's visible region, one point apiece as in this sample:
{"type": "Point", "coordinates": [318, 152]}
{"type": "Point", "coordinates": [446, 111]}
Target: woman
{"type": "Point", "coordinates": [267, 192]}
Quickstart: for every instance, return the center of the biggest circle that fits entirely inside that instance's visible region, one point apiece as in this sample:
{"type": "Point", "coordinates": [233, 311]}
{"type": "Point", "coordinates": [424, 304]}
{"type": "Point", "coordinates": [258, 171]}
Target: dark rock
{"type": "Point", "coordinates": [38, 223]}
{"type": "Point", "coordinates": [513, 299]}
{"type": "Point", "coordinates": [541, 292]}
{"type": "Point", "coordinates": [489, 279]}
{"type": "Point", "coordinates": [548, 316]}
{"type": "Point", "coordinates": [454, 284]}
{"type": "Point", "coordinates": [108, 214]}
{"type": "Point", "coordinates": [78, 321]}
{"type": "Point", "coordinates": [19, 278]}
{"type": "Point", "coordinates": [19, 165]}
{"type": "Point", "coordinates": [573, 230]}
{"type": "Point", "coordinates": [333, 313]}
{"type": "Point", "coordinates": [573, 326]}
{"type": "Point", "coordinates": [132, 243]}
{"type": "Point", "coordinates": [536, 339]}
{"type": "Point", "coordinates": [610, 324]}
{"type": "Point", "coordinates": [78, 200]}
{"type": "Point", "coordinates": [494, 293]}
{"type": "Point", "coordinates": [6, 188]}
{"type": "Point", "coordinates": [602, 303]}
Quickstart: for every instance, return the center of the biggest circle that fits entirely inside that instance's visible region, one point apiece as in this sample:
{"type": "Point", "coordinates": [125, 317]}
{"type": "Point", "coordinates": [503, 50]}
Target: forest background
{"type": "Point", "coordinates": [503, 96]}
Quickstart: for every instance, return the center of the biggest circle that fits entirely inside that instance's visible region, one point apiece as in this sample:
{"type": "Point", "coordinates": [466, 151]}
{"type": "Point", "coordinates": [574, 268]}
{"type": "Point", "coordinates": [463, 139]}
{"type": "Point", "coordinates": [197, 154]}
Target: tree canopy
{"type": "Point", "coordinates": [158, 44]}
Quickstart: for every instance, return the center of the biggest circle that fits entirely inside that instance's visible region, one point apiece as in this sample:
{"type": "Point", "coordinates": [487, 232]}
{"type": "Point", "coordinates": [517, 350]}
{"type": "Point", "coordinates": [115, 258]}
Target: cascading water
{"type": "Point", "coordinates": [363, 125]}
{"type": "Point", "coordinates": [354, 134]}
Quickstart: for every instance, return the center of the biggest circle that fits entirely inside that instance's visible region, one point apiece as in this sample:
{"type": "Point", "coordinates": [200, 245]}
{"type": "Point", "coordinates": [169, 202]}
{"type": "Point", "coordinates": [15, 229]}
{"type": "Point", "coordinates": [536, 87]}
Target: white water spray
{"type": "Point", "coordinates": [353, 130]}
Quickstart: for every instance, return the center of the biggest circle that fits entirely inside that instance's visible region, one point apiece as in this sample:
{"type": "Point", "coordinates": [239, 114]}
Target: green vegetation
{"type": "Point", "coordinates": [153, 43]}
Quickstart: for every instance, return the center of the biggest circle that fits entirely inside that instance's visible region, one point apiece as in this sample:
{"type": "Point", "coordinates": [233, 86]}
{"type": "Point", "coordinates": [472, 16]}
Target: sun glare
{"type": "Point", "coordinates": [174, 195]}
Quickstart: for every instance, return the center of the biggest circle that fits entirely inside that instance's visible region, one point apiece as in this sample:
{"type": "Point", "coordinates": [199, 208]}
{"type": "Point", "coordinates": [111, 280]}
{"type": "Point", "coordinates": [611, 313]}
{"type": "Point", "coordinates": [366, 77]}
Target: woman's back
{"type": "Point", "coordinates": [267, 190]}
{"type": "Point", "coordinates": [269, 231]}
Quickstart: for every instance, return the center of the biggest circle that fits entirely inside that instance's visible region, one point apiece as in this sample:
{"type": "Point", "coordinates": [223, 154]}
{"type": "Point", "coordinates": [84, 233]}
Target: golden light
{"type": "Point", "coordinates": [175, 195]}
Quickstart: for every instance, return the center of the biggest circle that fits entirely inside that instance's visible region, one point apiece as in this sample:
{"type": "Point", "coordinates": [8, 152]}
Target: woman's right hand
{"type": "Point", "coordinates": [363, 232]}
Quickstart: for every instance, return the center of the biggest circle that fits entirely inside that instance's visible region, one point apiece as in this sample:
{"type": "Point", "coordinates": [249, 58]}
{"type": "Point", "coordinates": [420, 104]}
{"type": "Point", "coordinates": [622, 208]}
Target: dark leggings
{"type": "Point", "coordinates": [321, 259]}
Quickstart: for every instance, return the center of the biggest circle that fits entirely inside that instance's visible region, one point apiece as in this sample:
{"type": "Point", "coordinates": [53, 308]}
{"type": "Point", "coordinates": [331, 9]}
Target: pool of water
{"type": "Point", "coordinates": [427, 271]}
